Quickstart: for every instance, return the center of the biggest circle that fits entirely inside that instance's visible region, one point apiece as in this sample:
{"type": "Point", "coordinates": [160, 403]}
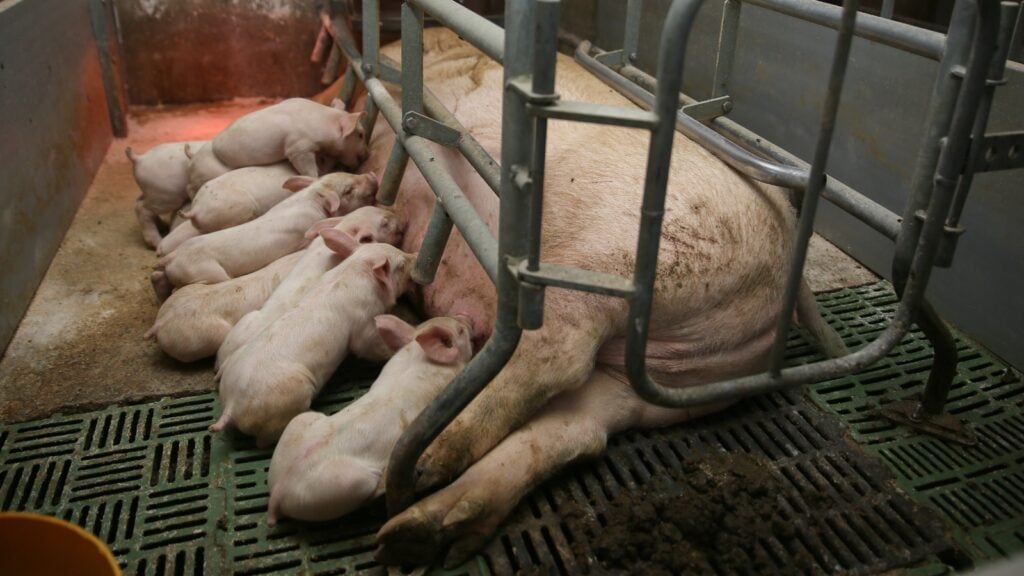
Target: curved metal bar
{"type": "Point", "coordinates": [671, 56]}
{"type": "Point", "coordinates": [912, 295]}
{"type": "Point", "coordinates": [817, 180]}
{"type": "Point", "coordinates": [749, 164]}
{"type": "Point", "coordinates": [512, 245]}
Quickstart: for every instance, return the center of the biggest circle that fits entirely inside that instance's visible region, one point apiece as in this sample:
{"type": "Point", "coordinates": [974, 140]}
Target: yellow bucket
{"type": "Point", "coordinates": [37, 545]}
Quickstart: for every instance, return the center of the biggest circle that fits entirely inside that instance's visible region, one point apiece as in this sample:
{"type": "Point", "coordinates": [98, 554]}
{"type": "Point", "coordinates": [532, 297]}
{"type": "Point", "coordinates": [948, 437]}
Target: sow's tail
{"type": "Point", "coordinates": [808, 315]}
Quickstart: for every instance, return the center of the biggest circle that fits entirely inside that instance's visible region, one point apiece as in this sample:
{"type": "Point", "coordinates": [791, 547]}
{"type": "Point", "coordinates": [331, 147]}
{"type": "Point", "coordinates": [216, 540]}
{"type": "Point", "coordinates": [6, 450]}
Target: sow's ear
{"type": "Point", "coordinates": [296, 183]}
{"type": "Point", "coordinates": [339, 241]}
{"type": "Point", "coordinates": [438, 342]}
{"type": "Point", "coordinates": [395, 332]}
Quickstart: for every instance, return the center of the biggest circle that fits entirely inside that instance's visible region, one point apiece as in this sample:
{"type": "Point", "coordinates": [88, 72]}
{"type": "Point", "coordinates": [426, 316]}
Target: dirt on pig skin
{"type": "Point", "coordinates": [703, 519]}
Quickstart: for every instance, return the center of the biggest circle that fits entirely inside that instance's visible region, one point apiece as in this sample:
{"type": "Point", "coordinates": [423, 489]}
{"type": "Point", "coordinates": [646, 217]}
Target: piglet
{"type": "Point", "coordinates": [194, 321]}
{"type": "Point", "coordinates": [275, 376]}
{"type": "Point", "coordinates": [325, 467]}
{"type": "Point", "coordinates": [232, 252]}
{"type": "Point", "coordinates": [203, 166]}
{"type": "Point", "coordinates": [239, 196]}
{"type": "Point", "coordinates": [162, 176]}
{"type": "Point", "coordinates": [366, 224]}
{"type": "Point", "coordinates": [294, 130]}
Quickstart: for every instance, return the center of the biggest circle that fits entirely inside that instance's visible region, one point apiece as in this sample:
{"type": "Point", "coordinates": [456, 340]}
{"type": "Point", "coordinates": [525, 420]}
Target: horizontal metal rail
{"type": "Point", "coordinates": [487, 36]}
{"type": "Point", "coordinates": [905, 37]}
{"type": "Point", "coordinates": [724, 137]}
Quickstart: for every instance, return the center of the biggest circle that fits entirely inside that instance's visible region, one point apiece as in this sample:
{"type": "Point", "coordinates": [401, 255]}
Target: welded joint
{"type": "Point", "coordinates": [523, 85]}
{"type": "Point", "coordinates": [426, 127]}
{"type": "Point", "coordinates": [707, 110]}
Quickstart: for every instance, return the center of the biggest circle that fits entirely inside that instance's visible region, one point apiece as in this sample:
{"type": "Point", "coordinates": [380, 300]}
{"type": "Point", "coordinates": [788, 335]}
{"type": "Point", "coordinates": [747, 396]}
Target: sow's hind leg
{"type": "Point", "coordinates": [464, 516]}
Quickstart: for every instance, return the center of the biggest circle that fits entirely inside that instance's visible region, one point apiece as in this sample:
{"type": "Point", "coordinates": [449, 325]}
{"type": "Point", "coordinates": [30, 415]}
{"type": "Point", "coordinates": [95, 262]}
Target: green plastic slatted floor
{"type": "Point", "coordinates": [169, 498]}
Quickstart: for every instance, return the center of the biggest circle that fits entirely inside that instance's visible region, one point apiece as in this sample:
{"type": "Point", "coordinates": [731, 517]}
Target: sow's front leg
{"type": "Point", "coordinates": [463, 517]}
{"type": "Point", "coordinates": [549, 361]}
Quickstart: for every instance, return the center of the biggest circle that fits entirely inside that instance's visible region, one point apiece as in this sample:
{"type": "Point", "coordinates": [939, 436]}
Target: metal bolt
{"type": "Point", "coordinates": [632, 57]}
{"type": "Point", "coordinates": [727, 106]}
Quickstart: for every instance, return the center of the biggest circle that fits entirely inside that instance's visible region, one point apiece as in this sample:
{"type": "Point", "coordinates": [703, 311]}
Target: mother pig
{"type": "Point", "coordinates": [718, 293]}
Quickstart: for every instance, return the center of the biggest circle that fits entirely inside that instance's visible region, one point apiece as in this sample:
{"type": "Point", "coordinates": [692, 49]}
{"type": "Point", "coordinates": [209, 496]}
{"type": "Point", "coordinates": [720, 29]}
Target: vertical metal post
{"type": "Point", "coordinates": [726, 47]}
{"type": "Point", "coordinates": [940, 115]}
{"type": "Point", "coordinates": [950, 163]}
{"type": "Point", "coordinates": [434, 241]}
{"type": "Point", "coordinates": [531, 296]}
{"type": "Point", "coordinates": [1007, 19]}
{"type": "Point", "coordinates": [816, 180]}
{"type": "Point", "coordinates": [113, 87]}
{"type": "Point", "coordinates": [393, 172]}
{"type": "Point", "coordinates": [371, 37]}
{"type": "Point", "coordinates": [512, 246]}
{"type": "Point", "coordinates": [348, 86]}
{"type": "Point", "coordinates": [369, 120]}
{"type": "Point", "coordinates": [330, 73]}
{"type": "Point", "coordinates": [631, 41]}
{"type": "Point", "coordinates": [888, 7]}
{"type": "Point", "coordinates": [412, 62]}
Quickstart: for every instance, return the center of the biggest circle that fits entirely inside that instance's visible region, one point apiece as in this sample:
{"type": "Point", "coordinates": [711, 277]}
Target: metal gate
{"type": "Point", "coordinates": [955, 147]}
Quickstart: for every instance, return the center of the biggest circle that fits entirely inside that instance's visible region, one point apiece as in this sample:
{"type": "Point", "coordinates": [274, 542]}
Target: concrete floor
{"type": "Point", "coordinates": [80, 344]}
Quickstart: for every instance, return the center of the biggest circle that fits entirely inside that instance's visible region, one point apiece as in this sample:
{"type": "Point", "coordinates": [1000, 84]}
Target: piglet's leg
{"type": "Point", "coordinates": [149, 223]}
{"type": "Point", "coordinates": [465, 514]}
{"type": "Point", "coordinates": [304, 163]}
{"type": "Point", "coordinates": [557, 358]}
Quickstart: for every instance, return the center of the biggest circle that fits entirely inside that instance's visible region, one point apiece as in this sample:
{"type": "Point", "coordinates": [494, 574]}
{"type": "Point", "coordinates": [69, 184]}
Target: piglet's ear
{"type": "Point", "coordinates": [296, 183]}
{"type": "Point", "coordinates": [330, 200]}
{"type": "Point", "coordinates": [322, 225]}
{"type": "Point", "coordinates": [339, 241]}
{"type": "Point", "coordinates": [381, 270]}
{"type": "Point", "coordinates": [338, 104]}
{"type": "Point", "coordinates": [350, 121]}
{"type": "Point", "coordinates": [438, 343]}
{"type": "Point", "coordinates": [395, 332]}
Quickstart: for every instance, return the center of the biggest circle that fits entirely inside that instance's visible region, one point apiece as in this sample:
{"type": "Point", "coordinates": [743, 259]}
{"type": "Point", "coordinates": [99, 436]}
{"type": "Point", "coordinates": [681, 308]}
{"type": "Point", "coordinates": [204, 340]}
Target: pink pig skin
{"type": "Point", "coordinates": [203, 166]}
{"type": "Point", "coordinates": [239, 196]}
{"type": "Point", "coordinates": [325, 467]}
{"type": "Point", "coordinates": [296, 130]}
{"type": "Point", "coordinates": [194, 321]}
{"type": "Point", "coordinates": [162, 176]}
{"type": "Point", "coordinates": [275, 376]}
{"type": "Point", "coordinates": [366, 224]}
{"type": "Point", "coordinates": [232, 252]}
{"type": "Point", "coordinates": [720, 278]}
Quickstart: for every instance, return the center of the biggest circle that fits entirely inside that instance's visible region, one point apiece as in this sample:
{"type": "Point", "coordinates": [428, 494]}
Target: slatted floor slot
{"type": "Point", "coordinates": [169, 498]}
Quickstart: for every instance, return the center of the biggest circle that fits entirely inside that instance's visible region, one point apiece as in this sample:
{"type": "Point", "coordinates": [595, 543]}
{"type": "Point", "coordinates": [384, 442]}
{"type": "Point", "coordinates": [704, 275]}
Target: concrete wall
{"type": "Point", "coordinates": [778, 85]}
{"type": "Point", "coordinates": [54, 132]}
{"type": "Point", "coordinates": [180, 51]}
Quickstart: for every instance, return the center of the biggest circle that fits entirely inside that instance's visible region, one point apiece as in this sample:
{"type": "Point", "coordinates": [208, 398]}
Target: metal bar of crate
{"type": "Point", "coordinates": [479, 237]}
{"type": "Point", "coordinates": [816, 179]}
{"type": "Point", "coordinates": [889, 32]}
{"type": "Point", "coordinates": [1007, 20]}
{"type": "Point", "coordinates": [512, 246]}
{"type": "Point", "coordinates": [782, 169]}
{"type": "Point", "coordinates": [477, 30]}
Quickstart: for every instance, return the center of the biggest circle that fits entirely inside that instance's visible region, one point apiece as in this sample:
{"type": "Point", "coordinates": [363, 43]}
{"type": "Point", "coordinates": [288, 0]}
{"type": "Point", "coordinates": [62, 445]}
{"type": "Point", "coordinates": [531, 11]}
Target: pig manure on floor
{"type": "Point", "coordinates": [702, 519]}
